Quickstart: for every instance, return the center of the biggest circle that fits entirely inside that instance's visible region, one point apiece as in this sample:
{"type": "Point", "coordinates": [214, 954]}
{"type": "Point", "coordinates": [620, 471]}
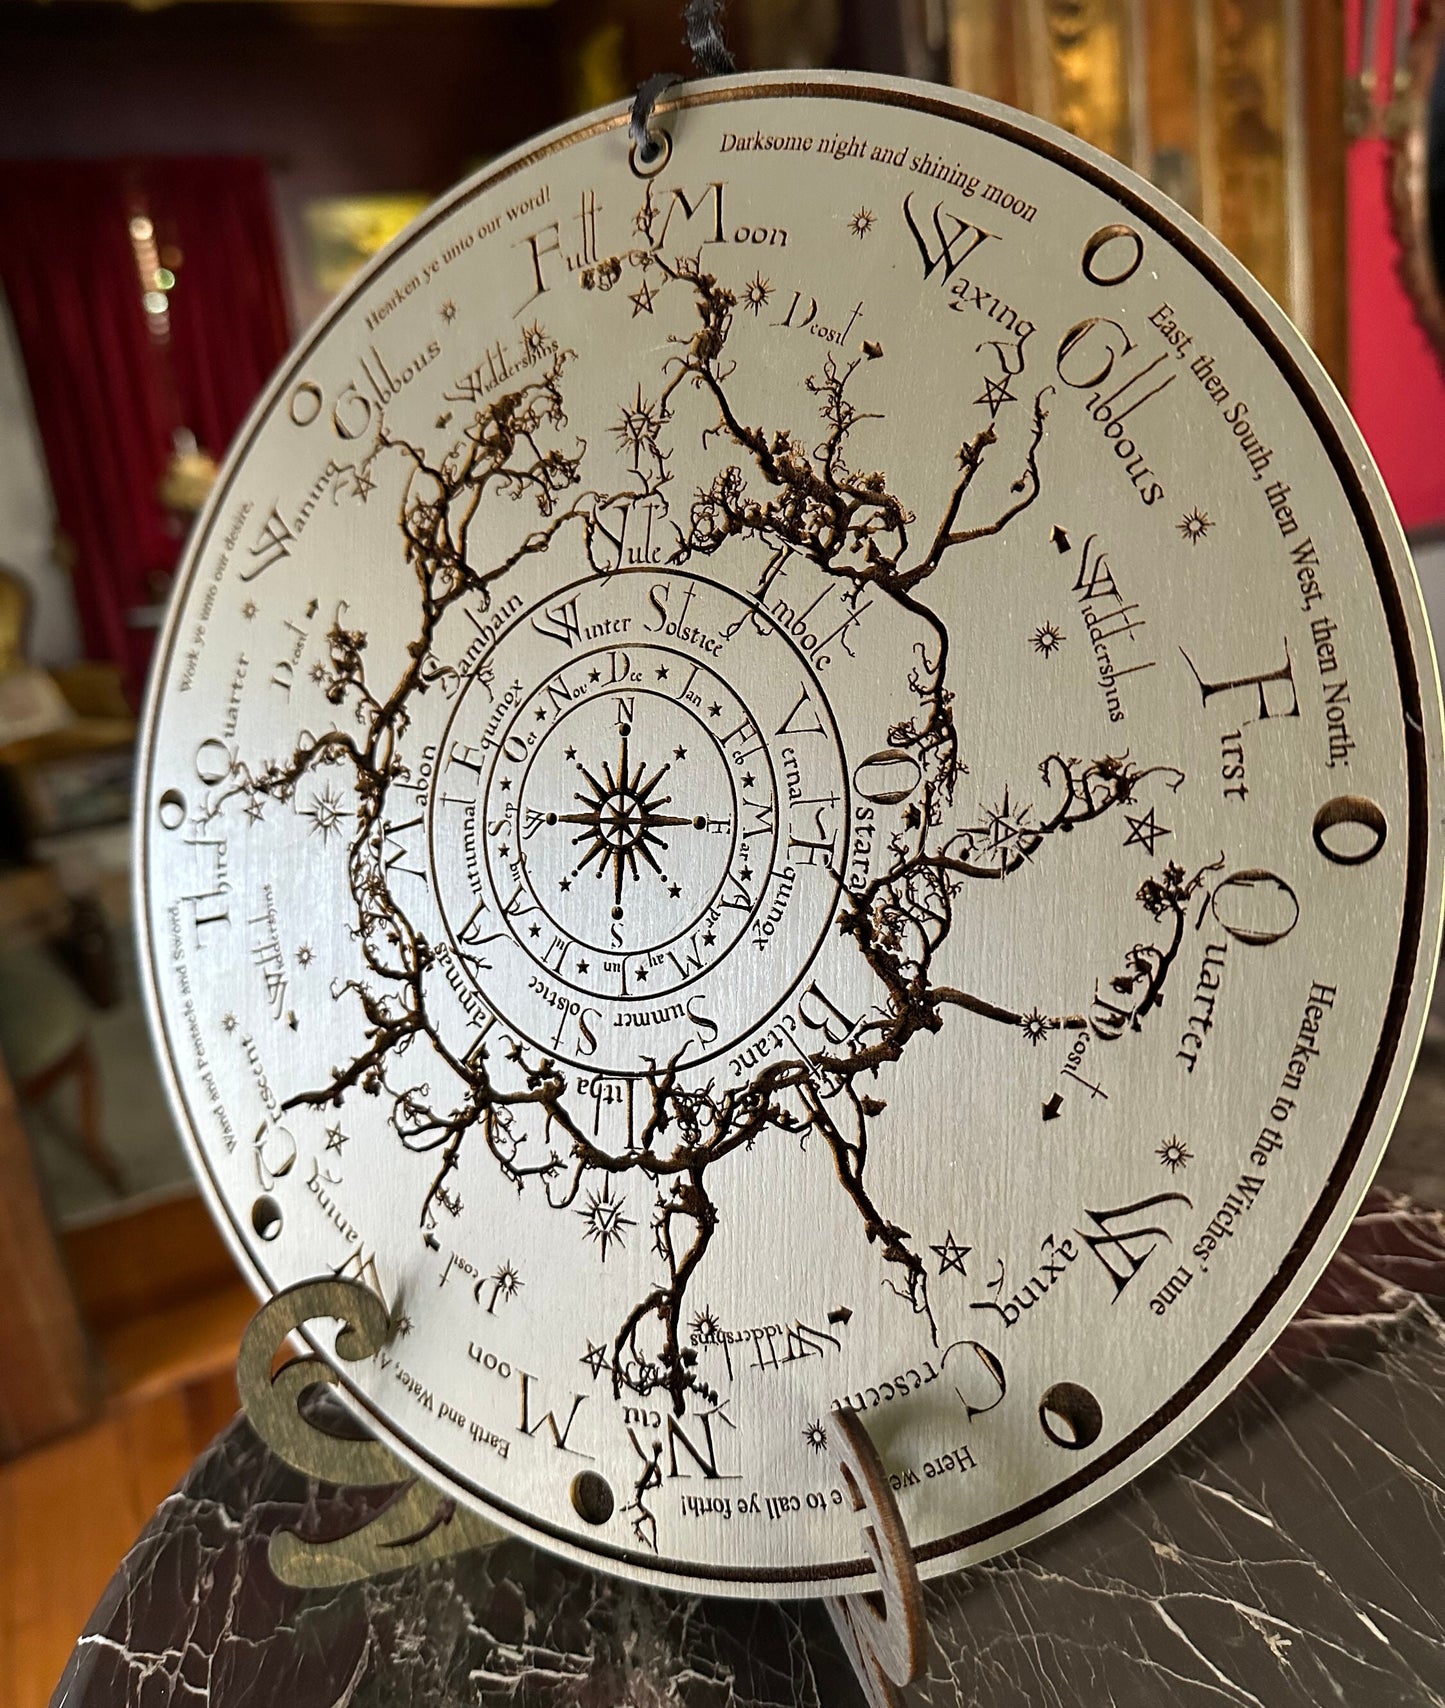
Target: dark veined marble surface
{"type": "Point", "coordinates": [1290, 1554]}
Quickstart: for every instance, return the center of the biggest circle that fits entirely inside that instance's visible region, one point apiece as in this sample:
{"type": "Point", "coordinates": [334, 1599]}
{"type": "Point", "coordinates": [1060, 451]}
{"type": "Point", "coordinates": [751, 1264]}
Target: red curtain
{"type": "Point", "coordinates": [112, 384]}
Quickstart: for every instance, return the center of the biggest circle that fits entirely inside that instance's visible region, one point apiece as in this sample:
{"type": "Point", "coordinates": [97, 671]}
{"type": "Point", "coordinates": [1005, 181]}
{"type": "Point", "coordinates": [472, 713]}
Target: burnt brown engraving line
{"type": "Point", "coordinates": [621, 819]}
{"type": "Point", "coordinates": [791, 502]}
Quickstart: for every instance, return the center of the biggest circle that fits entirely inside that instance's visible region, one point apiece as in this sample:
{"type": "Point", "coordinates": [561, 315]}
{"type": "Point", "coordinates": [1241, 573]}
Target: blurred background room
{"type": "Point", "coordinates": [184, 186]}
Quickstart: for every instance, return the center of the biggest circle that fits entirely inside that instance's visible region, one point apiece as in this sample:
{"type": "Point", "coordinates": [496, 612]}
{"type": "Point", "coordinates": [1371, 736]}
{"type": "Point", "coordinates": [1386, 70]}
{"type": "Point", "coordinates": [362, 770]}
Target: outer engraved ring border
{"type": "Point", "coordinates": [1409, 977]}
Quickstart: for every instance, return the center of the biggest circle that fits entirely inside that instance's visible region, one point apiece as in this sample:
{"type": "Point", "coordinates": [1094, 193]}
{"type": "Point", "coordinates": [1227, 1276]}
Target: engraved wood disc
{"type": "Point", "coordinates": [802, 781]}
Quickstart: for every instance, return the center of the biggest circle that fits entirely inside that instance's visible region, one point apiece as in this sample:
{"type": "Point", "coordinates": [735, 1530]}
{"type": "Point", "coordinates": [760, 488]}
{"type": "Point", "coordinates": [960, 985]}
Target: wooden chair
{"type": "Point", "coordinates": [45, 1039]}
{"type": "Point", "coordinates": [44, 1018]}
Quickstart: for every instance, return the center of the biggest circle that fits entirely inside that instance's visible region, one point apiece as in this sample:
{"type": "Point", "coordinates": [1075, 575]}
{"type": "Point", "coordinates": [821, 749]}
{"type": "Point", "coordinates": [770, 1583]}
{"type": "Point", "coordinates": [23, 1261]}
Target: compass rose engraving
{"type": "Point", "coordinates": [622, 819]}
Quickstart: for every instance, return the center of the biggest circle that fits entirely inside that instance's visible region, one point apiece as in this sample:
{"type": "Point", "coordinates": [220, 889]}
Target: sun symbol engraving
{"type": "Point", "coordinates": [1005, 826]}
{"type": "Point", "coordinates": [705, 1327]}
{"type": "Point", "coordinates": [505, 1283]}
{"type": "Point", "coordinates": [816, 1436]}
{"type": "Point", "coordinates": [1046, 640]}
{"type": "Point", "coordinates": [621, 817]}
{"type": "Point", "coordinates": [1194, 525]}
{"type": "Point", "coordinates": [1035, 1027]}
{"type": "Point", "coordinates": [229, 1023]}
{"type": "Point", "coordinates": [248, 610]}
{"type": "Point", "coordinates": [305, 955]}
{"type": "Point", "coordinates": [606, 1223]}
{"type": "Point", "coordinates": [756, 293]}
{"type": "Point", "coordinates": [862, 222]}
{"type": "Point", "coordinates": [325, 812]}
{"type": "Point", "coordinates": [1173, 1154]}
{"type": "Point", "coordinates": [449, 312]}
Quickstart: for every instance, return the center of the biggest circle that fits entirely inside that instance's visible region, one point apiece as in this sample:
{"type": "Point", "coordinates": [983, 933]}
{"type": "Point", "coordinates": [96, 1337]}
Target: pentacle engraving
{"type": "Point", "coordinates": [950, 1255]}
{"type": "Point", "coordinates": [1144, 831]}
{"type": "Point", "coordinates": [630, 874]}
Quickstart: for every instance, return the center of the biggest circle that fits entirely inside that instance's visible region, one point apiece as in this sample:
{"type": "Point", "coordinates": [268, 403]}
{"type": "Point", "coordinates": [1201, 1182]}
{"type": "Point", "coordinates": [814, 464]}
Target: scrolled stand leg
{"type": "Point", "coordinates": [419, 1524]}
{"type": "Point", "coordinates": [885, 1633]}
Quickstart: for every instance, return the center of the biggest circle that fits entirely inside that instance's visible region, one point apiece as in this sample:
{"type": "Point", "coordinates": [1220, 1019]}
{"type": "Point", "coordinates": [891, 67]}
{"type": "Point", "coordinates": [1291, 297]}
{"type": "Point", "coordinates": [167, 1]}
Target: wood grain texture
{"type": "Point", "coordinates": [1091, 45]}
{"type": "Point", "coordinates": [1248, 126]}
{"type": "Point", "coordinates": [981, 49]}
{"type": "Point", "coordinates": [150, 1260]}
{"type": "Point", "coordinates": [1324, 103]}
{"type": "Point", "coordinates": [178, 1347]}
{"type": "Point", "coordinates": [1171, 48]}
{"type": "Point", "coordinates": [1232, 107]}
{"type": "Point", "coordinates": [69, 1511]}
{"type": "Point", "coordinates": [47, 1377]}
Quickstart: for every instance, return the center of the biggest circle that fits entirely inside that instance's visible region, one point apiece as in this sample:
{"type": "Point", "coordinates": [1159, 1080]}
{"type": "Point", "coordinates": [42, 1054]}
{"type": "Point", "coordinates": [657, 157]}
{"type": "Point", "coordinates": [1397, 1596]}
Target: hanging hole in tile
{"type": "Point", "coordinates": [649, 159]}
{"type": "Point", "coordinates": [266, 1218]}
{"type": "Point", "coordinates": [592, 1497]}
{"type": "Point", "coordinates": [1071, 1416]}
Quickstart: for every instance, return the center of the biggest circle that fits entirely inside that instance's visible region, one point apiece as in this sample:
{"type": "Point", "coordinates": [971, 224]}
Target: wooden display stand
{"type": "Point", "coordinates": [884, 1633]}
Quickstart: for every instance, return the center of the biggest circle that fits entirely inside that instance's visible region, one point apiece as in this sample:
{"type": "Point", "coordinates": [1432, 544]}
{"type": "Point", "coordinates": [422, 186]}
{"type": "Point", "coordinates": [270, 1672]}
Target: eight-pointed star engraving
{"type": "Point", "coordinates": [606, 1223]}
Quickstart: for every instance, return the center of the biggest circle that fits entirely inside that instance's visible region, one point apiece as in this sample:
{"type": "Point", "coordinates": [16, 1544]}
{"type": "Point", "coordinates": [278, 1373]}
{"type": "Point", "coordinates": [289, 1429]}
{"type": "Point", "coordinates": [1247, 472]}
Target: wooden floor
{"type": "Point", "coordinates": [70, 1510]}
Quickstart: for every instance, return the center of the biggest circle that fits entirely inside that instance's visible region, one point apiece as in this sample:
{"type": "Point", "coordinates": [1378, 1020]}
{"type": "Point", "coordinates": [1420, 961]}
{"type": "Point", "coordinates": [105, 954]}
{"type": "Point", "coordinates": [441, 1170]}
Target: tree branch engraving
{"type": "Point", "coordinates": [513, 484]}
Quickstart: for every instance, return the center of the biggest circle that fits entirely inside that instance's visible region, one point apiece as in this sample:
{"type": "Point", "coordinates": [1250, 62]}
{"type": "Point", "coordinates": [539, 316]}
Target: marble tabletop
{"type": "Point", "coordinates": [1290, 1552]}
